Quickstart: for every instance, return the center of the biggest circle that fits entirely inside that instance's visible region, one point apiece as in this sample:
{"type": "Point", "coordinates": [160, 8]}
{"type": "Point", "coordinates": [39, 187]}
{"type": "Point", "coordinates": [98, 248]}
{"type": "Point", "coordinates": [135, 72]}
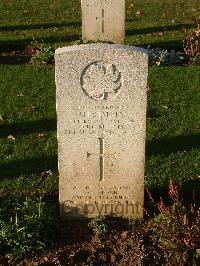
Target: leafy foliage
{"type": "Point", "coordinates": [178, 230]}
{"type": "Point", "coordinates": [195, 60]}
{"type": "Point", "coordinates": [44, 54]}
{"type": "Point", "coordinates": [25, 226]}
{"type": "Point", "coordinates": [192, 43]}
{"type": "Point", "coordinates": [99, 226]}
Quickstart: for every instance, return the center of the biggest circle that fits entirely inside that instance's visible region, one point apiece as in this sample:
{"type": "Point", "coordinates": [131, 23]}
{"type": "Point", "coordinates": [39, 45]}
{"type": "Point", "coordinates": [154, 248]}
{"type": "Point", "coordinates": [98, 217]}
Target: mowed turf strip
{"type": "Point", "coordinates": [58, 23]}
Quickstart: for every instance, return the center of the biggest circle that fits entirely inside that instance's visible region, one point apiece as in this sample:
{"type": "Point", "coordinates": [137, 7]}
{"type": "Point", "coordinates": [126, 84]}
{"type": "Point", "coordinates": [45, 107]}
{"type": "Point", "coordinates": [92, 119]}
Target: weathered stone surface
{"type": "Point", "coordinates": [101, 114]}
{"type": "Point", "coordinates": [103, 20]}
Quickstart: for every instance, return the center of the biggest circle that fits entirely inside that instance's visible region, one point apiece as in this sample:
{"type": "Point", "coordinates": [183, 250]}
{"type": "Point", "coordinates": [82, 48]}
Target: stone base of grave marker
{"type": "Point", "coordinates": [101, 114]}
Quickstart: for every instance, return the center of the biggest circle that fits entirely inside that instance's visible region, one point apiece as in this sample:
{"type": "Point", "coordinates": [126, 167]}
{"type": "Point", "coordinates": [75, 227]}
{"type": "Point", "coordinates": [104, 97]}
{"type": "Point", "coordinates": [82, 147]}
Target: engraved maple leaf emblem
{"type": "Point", "coordinates": [101, 81]}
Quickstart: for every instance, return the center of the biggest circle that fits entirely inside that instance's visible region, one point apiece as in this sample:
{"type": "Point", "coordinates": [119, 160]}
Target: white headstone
{"type": "Point", "coordinates": [101, 114]}
{"type": "Point", "coordinates": [103, 20]}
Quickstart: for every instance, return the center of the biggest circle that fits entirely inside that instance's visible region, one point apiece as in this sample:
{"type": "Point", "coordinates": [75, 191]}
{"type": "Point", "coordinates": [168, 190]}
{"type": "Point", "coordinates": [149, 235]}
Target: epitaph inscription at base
{"type": "Point", "coordinates": [101, 114]}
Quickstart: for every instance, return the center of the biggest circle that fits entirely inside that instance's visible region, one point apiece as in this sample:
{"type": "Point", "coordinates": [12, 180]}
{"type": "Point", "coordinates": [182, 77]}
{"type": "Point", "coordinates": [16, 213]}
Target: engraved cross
{"type": "Point", "coordinates": [102, 20]}
{"type": "Point", "coordinates": [102, 156]}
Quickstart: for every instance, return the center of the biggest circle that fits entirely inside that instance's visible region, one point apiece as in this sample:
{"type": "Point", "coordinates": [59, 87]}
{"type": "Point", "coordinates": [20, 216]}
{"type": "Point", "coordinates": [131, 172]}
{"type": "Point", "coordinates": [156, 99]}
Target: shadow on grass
{"type": "Point", "coordinates": [14, 60]}
{"type": "Point", "coordinates": [32, 165]}
{"type": "Point", "coordinates": [21, 44]}
{"type": "Point", "coordinates": [143, 31]}
{"type": "Point", "coordinates": [24, 128]}
{"type": "Point", "coordinates": [75, 24]}
{"type": "Point", "coordinates": [28, 166]}
{"type": "Point", "coordinates": [189, 192]}
{"type": "Point", "coordinates": [153, 147]}
{"type": "Point", "coordinates": [37, 165]}
{"type": "Point", "coordinates": [172, 145]}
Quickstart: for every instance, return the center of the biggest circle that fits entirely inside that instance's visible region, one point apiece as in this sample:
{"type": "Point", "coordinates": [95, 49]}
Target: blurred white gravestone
{"type": "Point", "coordinates": [103, 20]}
{"type": "Point", "coordinates": [101, 124]}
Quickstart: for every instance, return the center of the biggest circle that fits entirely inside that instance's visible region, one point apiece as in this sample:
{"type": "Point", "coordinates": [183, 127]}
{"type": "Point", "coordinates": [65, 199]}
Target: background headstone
{"type": "Point", "coordinates": [103, 20]}
{"type": "Point", "coordinates": [101, 114]}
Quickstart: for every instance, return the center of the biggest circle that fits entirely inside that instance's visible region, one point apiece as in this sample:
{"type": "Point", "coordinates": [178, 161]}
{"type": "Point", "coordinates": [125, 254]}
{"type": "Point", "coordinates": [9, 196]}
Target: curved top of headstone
{"type": "Point", "coordinates": [101, 46]}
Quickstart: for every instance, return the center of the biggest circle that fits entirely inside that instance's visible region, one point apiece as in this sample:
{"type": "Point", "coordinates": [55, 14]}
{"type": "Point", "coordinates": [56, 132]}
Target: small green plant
{"type": "Point", "coordinates": [26, 226]}
{"type": "Point", "coordinates": [77, 42]}
{"type": "Point", "coordinates": [178, 230]}
{"type": "Point", "coordinates": [99, 226]}
{"type": "Point", "coordinates": [44, 54]}
{"type": "Point", "coordinates": [196, 59]}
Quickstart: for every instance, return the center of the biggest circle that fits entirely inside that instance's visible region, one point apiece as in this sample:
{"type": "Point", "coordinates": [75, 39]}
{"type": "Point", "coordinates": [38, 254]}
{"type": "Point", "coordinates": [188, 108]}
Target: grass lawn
{"type": "Point", "coordinates": [58, 23]}
{"type": "Point", "coordinates": [28, 145]}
